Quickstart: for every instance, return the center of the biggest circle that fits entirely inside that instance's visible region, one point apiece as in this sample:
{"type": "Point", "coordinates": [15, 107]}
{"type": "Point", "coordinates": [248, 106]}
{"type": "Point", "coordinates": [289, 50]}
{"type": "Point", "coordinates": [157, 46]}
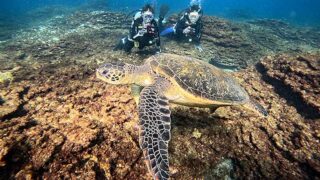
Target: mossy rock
{"type": "Point", "coordinates": [6, 77]}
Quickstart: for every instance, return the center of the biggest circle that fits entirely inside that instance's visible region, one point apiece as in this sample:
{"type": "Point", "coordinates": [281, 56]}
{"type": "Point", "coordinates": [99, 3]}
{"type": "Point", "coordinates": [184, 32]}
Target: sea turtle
{"type": "Point", "coordinates": [175, 79]}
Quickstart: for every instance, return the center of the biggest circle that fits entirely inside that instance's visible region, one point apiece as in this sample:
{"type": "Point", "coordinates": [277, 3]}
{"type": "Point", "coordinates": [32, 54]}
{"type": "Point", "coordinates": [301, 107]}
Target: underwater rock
{"type": "Point", "coordinates": [220, 38]}
{"type": "Point", "coordinates": [241, 44]}
{"type": "Point", "coordinates": [7, 76]}
{"type": "Point", "coordinates": [81, 127]}
{"type": "Point", "coordinates": [292, 137]}
{"type": "Point", "coordinates": [76, 126]}
{"type": "Point", "coordinates": [280, 28]}
{"type": "Point", "coordinates": [301, 75]}
{"type": "Point", "coordinates": [277, 36]}
{"type": "Point", "coordinates": [236, 44]}
{"type": "Point", "coordinates": [20, 55]}
{"type": "Point", "coordinates": [223, 170]}
{"type": "Point", "coordinates": [10, 101]}
{"type": "Point", "coordinates": [223, 33]}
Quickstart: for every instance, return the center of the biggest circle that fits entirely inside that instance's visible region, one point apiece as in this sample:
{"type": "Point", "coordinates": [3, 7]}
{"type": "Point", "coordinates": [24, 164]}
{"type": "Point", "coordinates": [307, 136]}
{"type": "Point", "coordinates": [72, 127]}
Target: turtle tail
{"type": "Point", "coordinates": [253, 105]}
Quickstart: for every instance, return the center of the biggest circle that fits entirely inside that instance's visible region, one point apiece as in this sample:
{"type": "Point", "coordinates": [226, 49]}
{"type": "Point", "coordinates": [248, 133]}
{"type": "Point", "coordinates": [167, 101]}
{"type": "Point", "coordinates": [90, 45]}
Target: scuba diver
{"type": "Point", "coordinates": [189, 26]}
{"type": "Point", "coordinates": [144, 31]}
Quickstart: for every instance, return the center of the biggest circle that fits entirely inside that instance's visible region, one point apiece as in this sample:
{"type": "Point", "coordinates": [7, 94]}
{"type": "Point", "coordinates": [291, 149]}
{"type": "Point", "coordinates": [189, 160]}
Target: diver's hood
{"type": "Point", "coordinates": [147, 16]}
{"type": "Point", "coordinates": [137, 15]}
{"type": "Point", "coordinates": [194, 17]}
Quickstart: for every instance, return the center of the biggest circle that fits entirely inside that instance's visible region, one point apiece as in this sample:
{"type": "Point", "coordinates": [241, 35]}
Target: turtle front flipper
{"type": "Point", "coordinates": [154, 116]}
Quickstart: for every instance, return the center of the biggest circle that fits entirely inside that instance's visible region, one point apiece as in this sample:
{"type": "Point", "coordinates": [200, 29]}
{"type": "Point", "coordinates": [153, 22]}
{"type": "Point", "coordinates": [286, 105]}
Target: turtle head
{"type": "Point", "coordinates": [115, 73]}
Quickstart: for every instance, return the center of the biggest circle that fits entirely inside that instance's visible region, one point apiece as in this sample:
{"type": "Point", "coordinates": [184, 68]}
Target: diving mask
{"type": "Point", "coordinates": [147, 16]}
{"type": "Point", "coordinates": [194, 16]}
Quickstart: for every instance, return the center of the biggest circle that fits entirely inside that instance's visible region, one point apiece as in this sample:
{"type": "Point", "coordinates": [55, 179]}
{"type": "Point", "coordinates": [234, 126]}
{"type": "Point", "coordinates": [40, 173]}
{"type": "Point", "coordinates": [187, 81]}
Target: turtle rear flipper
{"type": "Point", "coordinates": [253, 105]}
{"type": "Point", "coordinates": [154, 116]}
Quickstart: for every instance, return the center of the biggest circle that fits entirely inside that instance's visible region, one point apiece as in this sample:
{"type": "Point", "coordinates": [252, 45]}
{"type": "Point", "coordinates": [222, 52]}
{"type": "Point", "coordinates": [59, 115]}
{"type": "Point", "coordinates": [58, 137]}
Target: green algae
{"type": "Point", "coordinates": [6, 77]}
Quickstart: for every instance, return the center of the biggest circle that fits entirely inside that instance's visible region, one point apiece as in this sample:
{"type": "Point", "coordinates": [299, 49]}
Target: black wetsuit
{"type": "Point", "coordinates": [196, 29]}
{"type": "Point", "coordinates": [150, 37]}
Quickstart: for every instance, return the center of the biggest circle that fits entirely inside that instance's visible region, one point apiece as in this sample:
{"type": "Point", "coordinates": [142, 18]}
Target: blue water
{"type": "Point", "coordinates": [301, 12]}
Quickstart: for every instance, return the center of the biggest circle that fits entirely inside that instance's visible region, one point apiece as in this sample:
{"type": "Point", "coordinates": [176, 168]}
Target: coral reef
{"type": "Point", "coordinates": [10, 101]}
{"type": "Point", "coordinates": [58, 121]}
{"type": "Point", "coordinates": [238, 44]}
{"type": "Point", "coordinates": [85, 130]}
{"type": "Point", "coordinates": [7, 76]}
{"type": "Point", "coordinates": [301, 74]}
{"type": "Point", "coordinates": [69, 124]}
{"type": "Point", "coordinates": [242, 44]}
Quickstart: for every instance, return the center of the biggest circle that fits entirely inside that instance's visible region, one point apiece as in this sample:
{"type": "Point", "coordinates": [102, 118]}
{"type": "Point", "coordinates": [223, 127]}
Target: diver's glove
{"type": "Point", "coordinates": [198, 47]}
{"type": "Point", "coordinates": [189, 30]}
{"type": "Point", "coordinates": [186, 30]}
{"type": "Point", "coordinates": [192, 31]}
{"type": "Point", "coordinates": [140, 33]}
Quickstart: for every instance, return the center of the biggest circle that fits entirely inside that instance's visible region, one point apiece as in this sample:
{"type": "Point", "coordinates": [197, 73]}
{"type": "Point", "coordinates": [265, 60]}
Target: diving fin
{"type": "Point", "coordinates": [167, 31]}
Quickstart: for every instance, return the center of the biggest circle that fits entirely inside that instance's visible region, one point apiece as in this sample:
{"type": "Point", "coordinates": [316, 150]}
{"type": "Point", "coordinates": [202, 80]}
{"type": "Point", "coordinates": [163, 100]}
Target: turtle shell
{"type": "Point", "coordinates": [199, 78]}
